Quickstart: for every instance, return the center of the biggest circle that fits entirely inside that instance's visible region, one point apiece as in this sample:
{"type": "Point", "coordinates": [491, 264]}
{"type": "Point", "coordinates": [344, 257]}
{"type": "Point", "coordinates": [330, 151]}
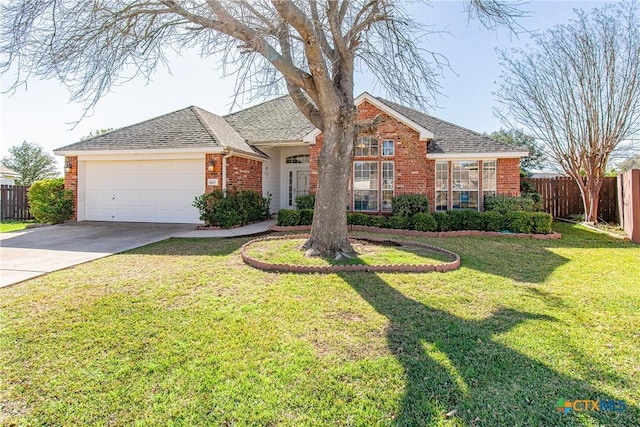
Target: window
{"type": "Point", "coordinates": [387, 185]}
{"type": "Point", "coordinates": [365, 186]}
{"type": "Point", "coordinates": [442, 186]}
{"type": "Point", "coordinates": [488, 178]}
{"type": "Point", "coordinates": [388, 148]}
{"type": "Point", "coordinates": [366, 146]}
{"type": "Point", "coordinates": [464, 185]}
{"type": "Point", "coordinates": [300, 158]}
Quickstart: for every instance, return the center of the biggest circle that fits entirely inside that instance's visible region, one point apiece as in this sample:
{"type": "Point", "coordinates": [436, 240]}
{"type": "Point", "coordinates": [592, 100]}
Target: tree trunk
{"type": "Point", "coordinates": [590, 191]}
{"type": "Point", "coordinates": [329, 236]}
{"type": "Point", "coordinates": [592, 199]}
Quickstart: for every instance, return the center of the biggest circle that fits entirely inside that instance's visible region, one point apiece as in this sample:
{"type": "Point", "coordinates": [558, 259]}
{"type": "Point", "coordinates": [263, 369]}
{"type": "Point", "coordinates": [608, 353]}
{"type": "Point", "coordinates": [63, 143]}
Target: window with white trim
{"type": "Point", "coordinates": [489, 181]}
{"type": "Point", "coordinates": [365, 186]}
{"type": "Point", "coordinates": [387, 185]}
{"type": "Point", "coordinates": [366, 146]}
{"type": "Point", "coordinates": [300, 158]}
{"type": "Point", "coordinates": [464, 184]}
{"type": "Point", "coordinates": [442, 186]}
{"type": "Point", "coordinates": [388, 148]}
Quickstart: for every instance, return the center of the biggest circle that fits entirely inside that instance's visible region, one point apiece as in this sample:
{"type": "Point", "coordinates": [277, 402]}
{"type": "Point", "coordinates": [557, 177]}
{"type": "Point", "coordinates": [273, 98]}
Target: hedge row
{"type": "Point", "coordinates": [516, 221]}
{"type": "Point", "coordinates": [528, 202]}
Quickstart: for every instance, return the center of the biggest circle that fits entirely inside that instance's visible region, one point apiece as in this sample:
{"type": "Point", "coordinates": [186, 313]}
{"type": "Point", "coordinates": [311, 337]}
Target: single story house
{"type": "Point", "coordinates": [8, 176]}
{"type": "Point", "coordinates": [152, 171]}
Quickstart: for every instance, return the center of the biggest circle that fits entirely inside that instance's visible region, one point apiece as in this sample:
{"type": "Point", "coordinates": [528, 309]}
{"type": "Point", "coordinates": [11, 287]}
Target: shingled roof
{"type": "Point", "coordinates": [274, 121]}
{"type": "Point", "coordinates": [277, 120]}
{"type": "Point", "coordinates": [450, 138]}
{"type": "Point", "coordinates": [191, 127]}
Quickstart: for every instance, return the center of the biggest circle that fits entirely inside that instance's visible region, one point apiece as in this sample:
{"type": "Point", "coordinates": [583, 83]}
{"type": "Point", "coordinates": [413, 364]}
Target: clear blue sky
{"type": "Point", "coordinates": [43, 113]}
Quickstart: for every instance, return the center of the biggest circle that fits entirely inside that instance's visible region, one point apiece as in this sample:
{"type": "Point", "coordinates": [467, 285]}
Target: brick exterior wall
{"type": "Point", "coordinates": [244, 174]}
{"type": "Point", "coordinates": [414, 173]}
{"type": "Point", "coordinates": [71, 183]}
{"type": "Point", "coordinates": [215, 174]}
{"type": "Point", "coordinates": [508, 177]}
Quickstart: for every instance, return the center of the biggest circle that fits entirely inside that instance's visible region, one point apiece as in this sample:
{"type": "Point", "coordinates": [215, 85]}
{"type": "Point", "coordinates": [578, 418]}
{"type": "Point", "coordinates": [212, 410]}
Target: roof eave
{"type": "Point", "coordinates": [475, 156]}
{"type": "Point", "coordinates": [205, 149]}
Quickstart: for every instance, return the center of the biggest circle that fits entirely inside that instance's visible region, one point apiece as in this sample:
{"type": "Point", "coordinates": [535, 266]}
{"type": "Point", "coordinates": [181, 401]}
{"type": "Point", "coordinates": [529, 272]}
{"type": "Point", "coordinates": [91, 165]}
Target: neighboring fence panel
{"type": "Point", "coordinates": [561, 197]}
{"type": "Point", "coordinates": [629, 196]}
{"type": "Point", "coordinates": [13, 203]}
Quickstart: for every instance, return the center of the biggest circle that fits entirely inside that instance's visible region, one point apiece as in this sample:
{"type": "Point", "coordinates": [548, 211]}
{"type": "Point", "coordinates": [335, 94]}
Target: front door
{"type": "Point", "coordinates": [297, 185]}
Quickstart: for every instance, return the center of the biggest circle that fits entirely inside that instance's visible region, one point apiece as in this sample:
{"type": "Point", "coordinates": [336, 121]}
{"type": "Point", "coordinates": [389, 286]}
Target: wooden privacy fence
{"type": "Point", "coordinates": [13, 203]}
{"type": "Point", "coordinates": [561, 197]}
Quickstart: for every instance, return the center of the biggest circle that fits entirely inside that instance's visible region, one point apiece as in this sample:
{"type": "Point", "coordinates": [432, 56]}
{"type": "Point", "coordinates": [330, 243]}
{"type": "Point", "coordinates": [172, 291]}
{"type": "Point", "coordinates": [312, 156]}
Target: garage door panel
{"type": "Point", "coordinates": [143, 191]}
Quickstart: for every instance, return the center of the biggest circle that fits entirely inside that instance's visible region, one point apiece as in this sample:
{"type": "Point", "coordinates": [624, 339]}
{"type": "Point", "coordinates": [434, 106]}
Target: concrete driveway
{"type": "Point", "coordinates": [33, 252]}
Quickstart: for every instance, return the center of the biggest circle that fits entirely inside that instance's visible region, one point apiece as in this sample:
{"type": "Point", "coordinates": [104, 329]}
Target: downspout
{"type": "Point", "coordinates": [224, 169]}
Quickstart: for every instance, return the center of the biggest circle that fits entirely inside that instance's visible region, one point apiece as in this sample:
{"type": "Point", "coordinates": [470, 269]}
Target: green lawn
{"type": "Point", "coordinates": [183, 333]}
{"type": "Point", "coordinates": [7, 226]}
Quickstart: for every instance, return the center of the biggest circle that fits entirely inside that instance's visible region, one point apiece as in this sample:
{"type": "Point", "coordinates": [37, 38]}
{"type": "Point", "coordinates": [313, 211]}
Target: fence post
{"type": "Point", "coordinates": [629, 203]}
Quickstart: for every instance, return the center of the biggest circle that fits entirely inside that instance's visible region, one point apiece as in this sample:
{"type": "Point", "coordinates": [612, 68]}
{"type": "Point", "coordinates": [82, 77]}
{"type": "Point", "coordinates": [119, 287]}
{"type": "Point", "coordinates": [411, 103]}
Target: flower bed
{"type": "Point", "coordinates": [415, 268]}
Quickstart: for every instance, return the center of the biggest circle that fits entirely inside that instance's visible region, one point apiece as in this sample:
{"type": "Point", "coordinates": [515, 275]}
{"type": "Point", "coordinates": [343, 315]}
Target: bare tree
{"type": "Point", "coordinates": [310, 47]}
{"type": "Point", "coordinates": [578, 92]}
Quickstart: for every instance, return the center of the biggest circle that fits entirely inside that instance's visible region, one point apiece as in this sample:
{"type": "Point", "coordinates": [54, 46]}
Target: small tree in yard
{"type": "Point", "coordinates": [31, 161]}
{"type": "Point", "coordinates": [310, 47]}
{"type": "Point", "coordinates": [519, 139]}
{"type": "Point", "coordinates": [578, 92]}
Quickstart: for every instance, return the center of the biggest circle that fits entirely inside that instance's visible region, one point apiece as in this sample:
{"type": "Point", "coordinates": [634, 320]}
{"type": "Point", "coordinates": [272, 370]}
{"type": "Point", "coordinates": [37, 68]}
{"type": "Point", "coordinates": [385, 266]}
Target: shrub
{"type": "Point", "coordinates": [504, 204]}
{"type": "Point", "coordinates": [358, 219]}
{"type": "Point", "coordinates": [424, 222]}
{"type": "Point", "coordinates": [237, 207]}
{"type": "Point", "coordinates": [466, 220]}
{"type": "Point", "coordinates": [306, 201]}
{"type": "Point", "coordinates": [250, 204]}
{"type": "Point", "coordinates": [519, 222]}
{"type": "Point", "coordinates": [288, 217]}
{"type": "Point", "coordinates": [49, 202]}
{"type": "Point", "coordinates": [476, 220]}
{"type": "Point", "coordinates": [494, 221]}
{"type": "Point", "coordinates": [537, 200]}
{"type": "Point", "coordinates": [399, 222]}
{"type": "Point", "coordinates": [443, 221]}
{"type": "Point", "coordinates": [378, 221]}
{"type": "Point", "coordinates": [306, 216]}
{"type": "Point", "coordinates": [407, 205]}
{"type": "Point", "coordinates": [541, 222]}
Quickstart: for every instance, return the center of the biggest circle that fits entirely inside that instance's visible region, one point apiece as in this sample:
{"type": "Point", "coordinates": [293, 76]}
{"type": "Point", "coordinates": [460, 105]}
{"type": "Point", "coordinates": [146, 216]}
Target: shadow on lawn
{"type": "Point", "coordinates": [452, 362]}
{"type": "Point", "coordinates": [192, 247]}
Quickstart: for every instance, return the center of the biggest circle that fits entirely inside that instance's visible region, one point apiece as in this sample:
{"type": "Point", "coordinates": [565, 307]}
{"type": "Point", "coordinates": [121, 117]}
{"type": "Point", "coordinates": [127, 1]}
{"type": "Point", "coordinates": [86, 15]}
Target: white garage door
{"type": "Point", "coordinates": [143, 191]}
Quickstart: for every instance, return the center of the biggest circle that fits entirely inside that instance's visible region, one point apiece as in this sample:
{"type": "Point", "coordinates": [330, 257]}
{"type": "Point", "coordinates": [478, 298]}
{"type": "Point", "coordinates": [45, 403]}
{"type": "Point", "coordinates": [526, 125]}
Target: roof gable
{"type": "Point", "coordinates": [423, 132]}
